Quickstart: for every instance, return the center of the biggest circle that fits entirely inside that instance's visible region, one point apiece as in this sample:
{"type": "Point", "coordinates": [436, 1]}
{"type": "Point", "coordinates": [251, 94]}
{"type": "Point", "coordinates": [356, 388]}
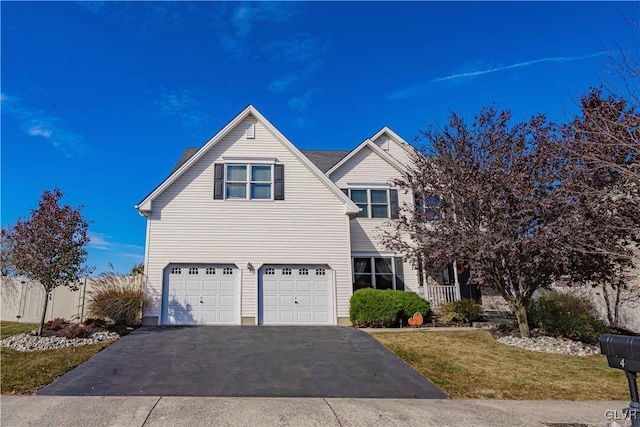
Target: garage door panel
{"type": "Point", "coordinates": [295, 295]}
{"type": "Point", "coordinates": [226, 316]}
{"type": "Point", "coordinates": [227, 285]}
{"type": "Point", "coordinates": [320, 286]}
{"type": "Point", "coordinates": [287, 316]}
{"type": "Point", "coordinates": [321, 301]}
{"type": "Point", "coordinates": [192, 285]}
{"type": "Point", "coordinates": [304, 286]}
{"type": "Point", "coordinates": [286, 286]}
{"type": "Point", "coordinates": [227, 301]}
{"type": "Point", "coordinates": [270, 301]}
{"type": "Point", "coordinates": [286, 301]}
{"type": "Point", "coordinates": [209, 285]}
{"type": "Point", "coordinates": [201, 294]}
{"type": "Point", "coordinates": [321, 317]}
{"type": "Point", "coordinates": [270, 285]}
{"type": "Point", "coordinates": [304, 301]}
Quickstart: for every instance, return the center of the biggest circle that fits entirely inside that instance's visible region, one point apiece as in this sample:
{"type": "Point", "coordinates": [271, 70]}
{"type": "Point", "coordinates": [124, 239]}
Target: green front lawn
{"type": "Point", "coordinates": [26, 372]}
{"type": "Point", "coordinates": [14, 328]}
{"type": "Point", "coordinates": [472, 365]}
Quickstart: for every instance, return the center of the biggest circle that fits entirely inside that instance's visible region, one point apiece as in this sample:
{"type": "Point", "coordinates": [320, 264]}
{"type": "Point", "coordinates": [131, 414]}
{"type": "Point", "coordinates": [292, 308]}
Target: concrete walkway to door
{"type": "Point", "coordinates": [246, 361]}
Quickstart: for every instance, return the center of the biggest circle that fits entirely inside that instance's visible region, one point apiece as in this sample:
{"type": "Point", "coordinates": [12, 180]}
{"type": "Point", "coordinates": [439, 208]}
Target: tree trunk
{"type": "Point", "coordinates": [523, 323]}
{"type": "Point", "coordinates": [607, 303]}
{"type": "Point", "coordinates": [616, 313]}
{"type": "Point", "coordinates": [44, 311]}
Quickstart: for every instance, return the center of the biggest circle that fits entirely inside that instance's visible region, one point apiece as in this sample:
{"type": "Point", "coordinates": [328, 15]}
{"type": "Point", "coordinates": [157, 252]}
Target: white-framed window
{"type": "Point", "coordinates": [374, 272]}
{"type": "Point", "coordinates": [373, 202]}
{"type": "Point", "coordinates": [247, 181]}
{"type": "Point", "coordinates": [176, 270]}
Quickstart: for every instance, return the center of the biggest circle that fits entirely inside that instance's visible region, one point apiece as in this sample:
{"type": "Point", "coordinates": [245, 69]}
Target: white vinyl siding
{"type": "Point", "coordinates": [394, 149]}
{"type": "Point", "coordinates": [367, 167]}
{"type": "Point", "coordinates": [309, 227]}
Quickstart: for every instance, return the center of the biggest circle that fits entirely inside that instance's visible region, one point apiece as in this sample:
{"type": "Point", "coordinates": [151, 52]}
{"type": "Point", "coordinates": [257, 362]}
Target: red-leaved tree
{"type": "Point", "coordinates": [50, 247]}
{"type": "Point", "coordinates": [486, 197]}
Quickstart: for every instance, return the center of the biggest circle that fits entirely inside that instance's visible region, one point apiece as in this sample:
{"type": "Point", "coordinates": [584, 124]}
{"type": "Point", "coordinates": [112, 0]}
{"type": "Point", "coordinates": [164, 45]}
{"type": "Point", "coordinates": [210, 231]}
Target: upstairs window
{"type": "Point", "coordinates": [372, 203]}
{"type": "Point", "coordinates": [249, 182]}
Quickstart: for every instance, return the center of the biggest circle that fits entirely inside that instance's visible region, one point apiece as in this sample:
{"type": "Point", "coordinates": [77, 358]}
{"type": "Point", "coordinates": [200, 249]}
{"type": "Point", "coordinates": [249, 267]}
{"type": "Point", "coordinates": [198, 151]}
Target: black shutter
{"type": "Point", "coordinates": [218, 181]}
{"type": "Point", "coordinates": [279, 182]}
{"type": "Point", "coordinates": [418, 201]}
{"type": "Point", "coordinates": [399, 274]}
{"type": "Point", "coordinates": [345, 191]}
{"type": "Point", "coordinates": [393, 201]}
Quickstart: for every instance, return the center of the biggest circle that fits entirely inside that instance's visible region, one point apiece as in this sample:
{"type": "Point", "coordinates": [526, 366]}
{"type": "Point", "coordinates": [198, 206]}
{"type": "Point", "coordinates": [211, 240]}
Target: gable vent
{"type": "Point", "coordinates": [251, 131]}
{"type": "Point", "coordinates": [384, 142]}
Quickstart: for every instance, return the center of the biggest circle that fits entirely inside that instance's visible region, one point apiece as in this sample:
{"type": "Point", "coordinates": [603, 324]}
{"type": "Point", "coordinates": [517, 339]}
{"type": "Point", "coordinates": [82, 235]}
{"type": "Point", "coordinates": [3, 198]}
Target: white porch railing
{"type": "Point", "coordinates": [437, 295]}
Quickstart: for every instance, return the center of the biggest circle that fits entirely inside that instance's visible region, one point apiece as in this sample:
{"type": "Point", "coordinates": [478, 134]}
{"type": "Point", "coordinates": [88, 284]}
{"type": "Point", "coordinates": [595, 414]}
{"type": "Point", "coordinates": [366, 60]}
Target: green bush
{"type": "Point", "coordinates": [117, 297]}
{"type": "Point", "coordinates": [462, 311]}
{"type": "Point", "coordinates": [385, 308]}
{"type": "Point", "coordinates": [566, 315]}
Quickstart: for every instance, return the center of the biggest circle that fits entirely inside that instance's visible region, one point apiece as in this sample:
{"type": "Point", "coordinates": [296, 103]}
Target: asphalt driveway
{"type": "Point", "coordinates": [245, 361]}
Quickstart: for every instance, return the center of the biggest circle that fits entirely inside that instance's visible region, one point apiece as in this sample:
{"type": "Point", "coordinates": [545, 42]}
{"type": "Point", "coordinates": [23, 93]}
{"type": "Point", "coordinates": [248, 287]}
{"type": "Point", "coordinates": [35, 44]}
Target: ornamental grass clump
{"type": "Point", "coordinates": [117, 297]}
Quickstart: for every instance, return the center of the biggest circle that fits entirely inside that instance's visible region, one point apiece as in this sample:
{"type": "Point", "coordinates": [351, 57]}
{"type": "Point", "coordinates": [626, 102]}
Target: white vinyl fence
{"type": "Point", "coordinates": [22, 301]}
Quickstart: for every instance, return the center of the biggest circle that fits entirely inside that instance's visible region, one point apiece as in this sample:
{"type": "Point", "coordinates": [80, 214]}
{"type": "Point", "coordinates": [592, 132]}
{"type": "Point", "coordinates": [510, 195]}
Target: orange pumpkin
{"type": "Point", "coordinates": [417, 319]}
{"type": "Point", "coordinates": [411, 322]}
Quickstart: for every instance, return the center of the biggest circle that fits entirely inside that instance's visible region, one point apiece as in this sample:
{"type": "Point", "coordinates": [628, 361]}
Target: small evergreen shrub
{"type": "Point", "coordinates": [385, 308]}
{"type": "Point", "coordinates": [55, 324]}
{"type": "Point", "coordinates": [566, 315]}
{"type": "Point", "coordinates": [462, 311]}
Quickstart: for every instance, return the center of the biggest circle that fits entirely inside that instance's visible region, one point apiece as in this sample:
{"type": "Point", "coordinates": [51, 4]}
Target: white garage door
{"type": "Point", "coordinates": [296, 295]}
{"type": "Point", "coordinates": [201, 294]}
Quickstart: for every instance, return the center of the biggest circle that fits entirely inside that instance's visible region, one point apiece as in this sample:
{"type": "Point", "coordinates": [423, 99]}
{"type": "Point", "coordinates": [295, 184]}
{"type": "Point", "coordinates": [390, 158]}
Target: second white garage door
{"type": "Point", "coordinates": [201, 294]}
{"type": "Point", "coordinates": [295, 295]}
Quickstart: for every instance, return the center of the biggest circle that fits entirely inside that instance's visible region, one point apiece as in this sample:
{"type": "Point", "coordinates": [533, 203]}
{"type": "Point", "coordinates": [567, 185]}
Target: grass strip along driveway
{"type": "Point", "coordinates": [472, 365]}
{"type": "Point", "coordinates": [25, 372]}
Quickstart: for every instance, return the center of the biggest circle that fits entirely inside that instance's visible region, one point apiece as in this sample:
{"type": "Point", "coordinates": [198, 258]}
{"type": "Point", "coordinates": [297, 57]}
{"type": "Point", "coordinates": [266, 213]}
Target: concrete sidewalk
{"type": "Point", "coordinates": [211, 411]}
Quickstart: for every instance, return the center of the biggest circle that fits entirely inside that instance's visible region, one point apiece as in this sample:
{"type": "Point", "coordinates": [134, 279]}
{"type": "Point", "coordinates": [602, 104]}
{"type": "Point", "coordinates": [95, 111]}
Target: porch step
{"type": "Point", "coordinates": [494, 318]}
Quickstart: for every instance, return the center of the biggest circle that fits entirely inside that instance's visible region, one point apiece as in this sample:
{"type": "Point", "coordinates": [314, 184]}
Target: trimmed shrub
{"type": "Point", "coordinates": [75, 331]}
{"type": "Point", "coordinates": [385, 308]}
{"type": "Point", "coordinates": [118, 298]}
{"type": "Point", "coordinates": [55, 324]}
{"type": "Point", "coordinates": [462, 311]}
{"type": "Point", "coordinates": [566, 315]}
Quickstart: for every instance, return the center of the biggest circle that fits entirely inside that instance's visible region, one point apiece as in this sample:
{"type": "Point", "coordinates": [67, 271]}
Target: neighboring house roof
{"type": "Point", "coordinates": [325, 159]}
{"type": "Point", "coordinates": [185, 156]}
{"type": "Point", "coordinates": [144, 207]}
{"type": "Point", "coordinates": [367, 143]}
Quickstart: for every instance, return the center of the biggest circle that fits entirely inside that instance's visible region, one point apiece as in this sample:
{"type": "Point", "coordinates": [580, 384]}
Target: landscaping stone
{"type": "Point", "coordinates": [546, 344]}
{"type": "Point", "coordinates": [28, 342]}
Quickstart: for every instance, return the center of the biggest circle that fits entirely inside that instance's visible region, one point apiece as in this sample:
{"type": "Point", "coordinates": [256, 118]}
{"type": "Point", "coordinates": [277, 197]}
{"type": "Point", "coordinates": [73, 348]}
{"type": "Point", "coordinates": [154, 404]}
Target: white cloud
{"type": "Point", "coordinates": [283, 84]}
{"type": "Point", "coordinates": [420, 89]}
{"type": "Point", "coordinates": [39, 131]}
{"type": "Point", "coordinates": [98, 241]}
{"type": "Point", "coordinates": [41, 123]}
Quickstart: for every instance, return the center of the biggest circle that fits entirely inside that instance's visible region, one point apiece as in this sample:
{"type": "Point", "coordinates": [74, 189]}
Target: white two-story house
{"type": "Point", "coordinates": [248, 229]}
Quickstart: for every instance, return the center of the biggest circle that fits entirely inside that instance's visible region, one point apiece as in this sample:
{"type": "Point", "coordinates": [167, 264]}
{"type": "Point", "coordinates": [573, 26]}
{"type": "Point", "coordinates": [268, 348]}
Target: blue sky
{"type": "Point", "coordinates": [101, 98]}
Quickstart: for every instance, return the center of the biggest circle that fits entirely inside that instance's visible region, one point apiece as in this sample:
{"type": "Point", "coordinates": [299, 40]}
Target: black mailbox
{"type": "Point", "coordinates": [623, 352]}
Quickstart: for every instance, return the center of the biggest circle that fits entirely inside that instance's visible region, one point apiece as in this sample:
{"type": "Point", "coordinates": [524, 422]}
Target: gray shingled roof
{"type": "Point", "coordinates": [323, 159]}
{"type": "Point", "coordinates": [185, 156]}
